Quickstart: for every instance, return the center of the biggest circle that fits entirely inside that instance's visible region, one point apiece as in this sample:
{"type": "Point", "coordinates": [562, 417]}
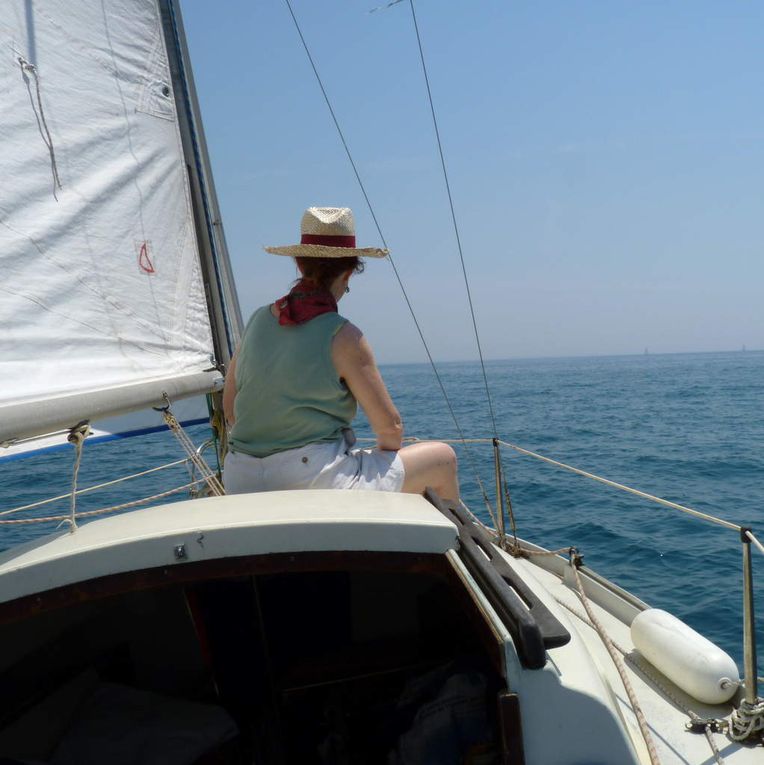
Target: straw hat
{"type": "Point", "coordinates": [327, 232]}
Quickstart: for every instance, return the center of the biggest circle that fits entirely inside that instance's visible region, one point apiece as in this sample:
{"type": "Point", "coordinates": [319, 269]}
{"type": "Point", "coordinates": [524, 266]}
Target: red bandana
{"type": "Point", "coordinates": [304, 302]}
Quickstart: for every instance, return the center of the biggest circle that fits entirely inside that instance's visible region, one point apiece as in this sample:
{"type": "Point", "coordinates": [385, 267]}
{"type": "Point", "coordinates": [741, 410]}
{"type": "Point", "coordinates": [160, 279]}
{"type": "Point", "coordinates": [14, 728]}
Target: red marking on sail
{"type": "Point", "coordinates": [144, 261]}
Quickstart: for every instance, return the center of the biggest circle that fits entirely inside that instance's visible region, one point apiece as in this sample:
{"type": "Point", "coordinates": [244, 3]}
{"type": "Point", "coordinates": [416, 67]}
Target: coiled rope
{"type": "Point", "coordinates": [747, 720]}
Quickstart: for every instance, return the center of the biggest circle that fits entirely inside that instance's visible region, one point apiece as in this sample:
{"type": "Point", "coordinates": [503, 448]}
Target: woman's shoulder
{"type": "Point", "coordinates": [350, 348]}
{"type": "Point", "coordinates": [258, 315]}
{"type": "Point", "coordinates": [347, 334]}
{"type": "Point", "coordinates": [254, 327]}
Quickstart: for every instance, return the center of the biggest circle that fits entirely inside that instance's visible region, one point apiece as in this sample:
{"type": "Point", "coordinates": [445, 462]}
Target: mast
{"type": "Point", "coordinates": [222, 300]}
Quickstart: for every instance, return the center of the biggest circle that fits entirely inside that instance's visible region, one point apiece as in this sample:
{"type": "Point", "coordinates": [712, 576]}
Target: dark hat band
{"type": "Point", "coordinates": [328, 240]}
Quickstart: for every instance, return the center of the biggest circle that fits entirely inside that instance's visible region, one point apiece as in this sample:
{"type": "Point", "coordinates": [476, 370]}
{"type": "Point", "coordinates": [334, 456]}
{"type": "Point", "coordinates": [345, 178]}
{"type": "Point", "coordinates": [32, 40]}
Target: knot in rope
{"type": "Point", "coordinates": [76, 438]}
{"type": "Point", "coordinates": [747, 720]}
{"type": "Point", "coordinates": [78, 434]}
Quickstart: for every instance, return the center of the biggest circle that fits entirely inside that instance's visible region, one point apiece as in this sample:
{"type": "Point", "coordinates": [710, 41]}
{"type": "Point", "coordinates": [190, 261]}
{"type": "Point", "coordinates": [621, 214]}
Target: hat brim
{"type": "Point", "coordinates": [322, 251]}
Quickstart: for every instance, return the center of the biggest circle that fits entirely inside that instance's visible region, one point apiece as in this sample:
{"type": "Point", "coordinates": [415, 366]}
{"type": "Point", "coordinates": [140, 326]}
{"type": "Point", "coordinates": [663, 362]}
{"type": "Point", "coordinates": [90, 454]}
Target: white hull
{"type": "Point", "coordinates": [573, 709]}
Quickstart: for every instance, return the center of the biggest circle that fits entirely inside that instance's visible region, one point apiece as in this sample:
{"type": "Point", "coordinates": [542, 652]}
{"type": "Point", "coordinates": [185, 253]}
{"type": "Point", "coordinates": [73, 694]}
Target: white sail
{"type": "Point", "coordinates": [102, 303]}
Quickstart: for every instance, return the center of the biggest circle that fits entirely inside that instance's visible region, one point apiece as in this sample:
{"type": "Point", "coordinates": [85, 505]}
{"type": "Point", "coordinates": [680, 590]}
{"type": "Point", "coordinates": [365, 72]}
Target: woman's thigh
{"type": "Point", "coordinates": [430, 464]}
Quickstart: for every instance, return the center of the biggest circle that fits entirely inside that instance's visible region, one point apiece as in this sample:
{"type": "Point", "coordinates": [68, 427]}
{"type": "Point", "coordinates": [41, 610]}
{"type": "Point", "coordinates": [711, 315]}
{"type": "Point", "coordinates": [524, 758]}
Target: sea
{"type": "Point", "coordinates": [685, 427]}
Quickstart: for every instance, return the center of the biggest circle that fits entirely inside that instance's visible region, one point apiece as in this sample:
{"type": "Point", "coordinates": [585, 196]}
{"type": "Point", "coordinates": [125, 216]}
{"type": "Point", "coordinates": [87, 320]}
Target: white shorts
{"type": "Point", "coordinates": [316, 466]}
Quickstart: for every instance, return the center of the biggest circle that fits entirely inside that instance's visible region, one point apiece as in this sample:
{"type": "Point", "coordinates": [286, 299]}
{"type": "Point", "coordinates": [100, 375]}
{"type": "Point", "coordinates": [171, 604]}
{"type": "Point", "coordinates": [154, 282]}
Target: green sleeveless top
{"type": "Point", "coordinates": [288, 393]}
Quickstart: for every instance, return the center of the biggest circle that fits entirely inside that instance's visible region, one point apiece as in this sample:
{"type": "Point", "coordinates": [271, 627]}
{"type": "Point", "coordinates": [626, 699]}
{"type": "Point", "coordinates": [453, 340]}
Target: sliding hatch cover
{"type": "Point", "coordinates": [533, 627]}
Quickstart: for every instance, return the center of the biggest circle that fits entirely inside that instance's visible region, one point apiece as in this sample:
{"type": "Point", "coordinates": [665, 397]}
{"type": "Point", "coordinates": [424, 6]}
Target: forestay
{"type": "Point", "coordinates": [103, 301]}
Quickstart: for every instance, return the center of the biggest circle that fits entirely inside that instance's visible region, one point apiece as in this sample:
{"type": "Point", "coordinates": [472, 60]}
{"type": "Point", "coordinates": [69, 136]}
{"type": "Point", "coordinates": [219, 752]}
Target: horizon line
{"type": "Point", "coordinates": [425, 362]}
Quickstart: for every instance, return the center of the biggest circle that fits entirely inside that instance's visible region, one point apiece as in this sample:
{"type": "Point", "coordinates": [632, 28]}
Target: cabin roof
{"type": "Point", "coordinates": [229, 526]}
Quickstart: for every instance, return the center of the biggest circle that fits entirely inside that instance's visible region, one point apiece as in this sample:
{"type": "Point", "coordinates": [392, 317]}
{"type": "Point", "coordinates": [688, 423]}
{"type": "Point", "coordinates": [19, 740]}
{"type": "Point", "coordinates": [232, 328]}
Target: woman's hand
{"type": "Point", "coordinates": [355, 364]}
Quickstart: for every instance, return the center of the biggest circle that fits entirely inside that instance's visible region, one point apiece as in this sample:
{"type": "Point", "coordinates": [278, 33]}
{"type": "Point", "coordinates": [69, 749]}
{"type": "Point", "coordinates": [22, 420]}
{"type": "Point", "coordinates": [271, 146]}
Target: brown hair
{"type": "Point", "coordinates": [323, 271]}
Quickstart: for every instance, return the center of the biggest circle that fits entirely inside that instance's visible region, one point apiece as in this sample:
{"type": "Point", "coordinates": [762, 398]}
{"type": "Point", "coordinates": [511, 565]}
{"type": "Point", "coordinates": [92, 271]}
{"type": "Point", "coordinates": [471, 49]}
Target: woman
{"type": "Point", "coordinates": [301, 369]}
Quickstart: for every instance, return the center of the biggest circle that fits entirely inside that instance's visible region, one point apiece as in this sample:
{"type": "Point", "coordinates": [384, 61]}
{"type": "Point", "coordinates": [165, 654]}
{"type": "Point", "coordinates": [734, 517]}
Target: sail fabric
{"type": "Point", "coordinates": [101, 283]}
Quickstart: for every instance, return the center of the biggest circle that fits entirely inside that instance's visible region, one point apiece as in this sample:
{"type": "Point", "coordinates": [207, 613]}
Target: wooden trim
{"type": "Point", "coordinates": [220, 568]}
{"type": "Point", "coordinates": [510, 729]}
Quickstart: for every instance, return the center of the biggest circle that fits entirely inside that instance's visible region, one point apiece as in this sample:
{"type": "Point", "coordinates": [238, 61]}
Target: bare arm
{"type": "Point", "coordinates": [229, 392]}
{"type": "Point", "coordinates": [355, 364]}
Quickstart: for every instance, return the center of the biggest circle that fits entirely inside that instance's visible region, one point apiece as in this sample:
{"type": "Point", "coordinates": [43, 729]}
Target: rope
{"type": "Point", "coordinates": [747, 720]}
{"type": "Point", "coordinates": [76, 438]}
{"type": "Point", "coordinates": [188, 446]}
{"type": "Point", "coordinates": [710, 739]}
{"type": "Point", "coordinates": [619, 666]}
{"type": "Point", "coordinates": [42, 125]}
{"type": "Point", "coordinates": [102, 511]}
{"type": "Point", "coordinates": [453, 219]}
{"type": "Point", "coordinates": [442, 387]}
{"type": "Point", "coordinates": [607, 482]}
{"type": "Point", "coordinates": [622, 487]}
{"type": "Point", "coordinates": [707, 728]}
{"type": "Point", "coordinates": [523, 551]}
{"type": "Point", "coordinates": [502, 484]}
{"type": "Point", "coordinates": [89, 489]}
{"type": "Point", "coordinates": [508, 500]}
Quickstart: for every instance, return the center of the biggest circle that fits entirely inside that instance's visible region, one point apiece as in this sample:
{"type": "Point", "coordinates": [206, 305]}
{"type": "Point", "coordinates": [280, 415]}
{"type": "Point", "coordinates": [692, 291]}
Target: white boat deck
{"type": "Point", "coordinates": [568, 707]}
{"type": "Point", "coordinates": [226, 527]}
{"type": "Point", "coordinates": [665, 719]}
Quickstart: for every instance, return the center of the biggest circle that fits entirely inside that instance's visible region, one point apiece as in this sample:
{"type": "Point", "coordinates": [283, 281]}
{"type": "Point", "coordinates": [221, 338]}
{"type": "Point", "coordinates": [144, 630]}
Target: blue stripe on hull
{"type": "Point", "coordinates": [100, 440]}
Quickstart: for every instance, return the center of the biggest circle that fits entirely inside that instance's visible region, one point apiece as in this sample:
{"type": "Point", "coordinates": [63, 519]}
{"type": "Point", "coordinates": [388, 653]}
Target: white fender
{"type": "Point", "coordinates": [691, 661]}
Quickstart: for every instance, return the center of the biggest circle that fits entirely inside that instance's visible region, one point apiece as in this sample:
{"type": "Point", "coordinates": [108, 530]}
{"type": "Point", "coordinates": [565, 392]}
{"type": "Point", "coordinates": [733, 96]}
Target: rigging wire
{"type": "Point", "coordinates": [391, 259]}
{"type": "Point", "coordinates": [453, 219]}
{"type": "Point", "coordinates": [39, 503]}
{"type": "Point", "coordinates": [502, 481]}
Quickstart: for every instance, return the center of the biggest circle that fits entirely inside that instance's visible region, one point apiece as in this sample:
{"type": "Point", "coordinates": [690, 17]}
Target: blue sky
{"type": "Point", "coordinates": [606, 161]}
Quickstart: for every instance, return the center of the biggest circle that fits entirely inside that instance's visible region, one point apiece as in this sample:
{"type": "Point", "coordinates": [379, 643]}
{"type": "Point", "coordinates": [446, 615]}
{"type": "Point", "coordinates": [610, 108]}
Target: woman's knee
{"type": "Point", "coordinates": [448, 455]}
{"type": "Point", "coordinates": [428, 462]}
{"type": "Point", "coordinates": [442, 457]}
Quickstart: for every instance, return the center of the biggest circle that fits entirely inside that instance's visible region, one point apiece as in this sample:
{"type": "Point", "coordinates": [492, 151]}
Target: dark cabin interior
{"type": "Point", "coordinates": [382, 659]}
